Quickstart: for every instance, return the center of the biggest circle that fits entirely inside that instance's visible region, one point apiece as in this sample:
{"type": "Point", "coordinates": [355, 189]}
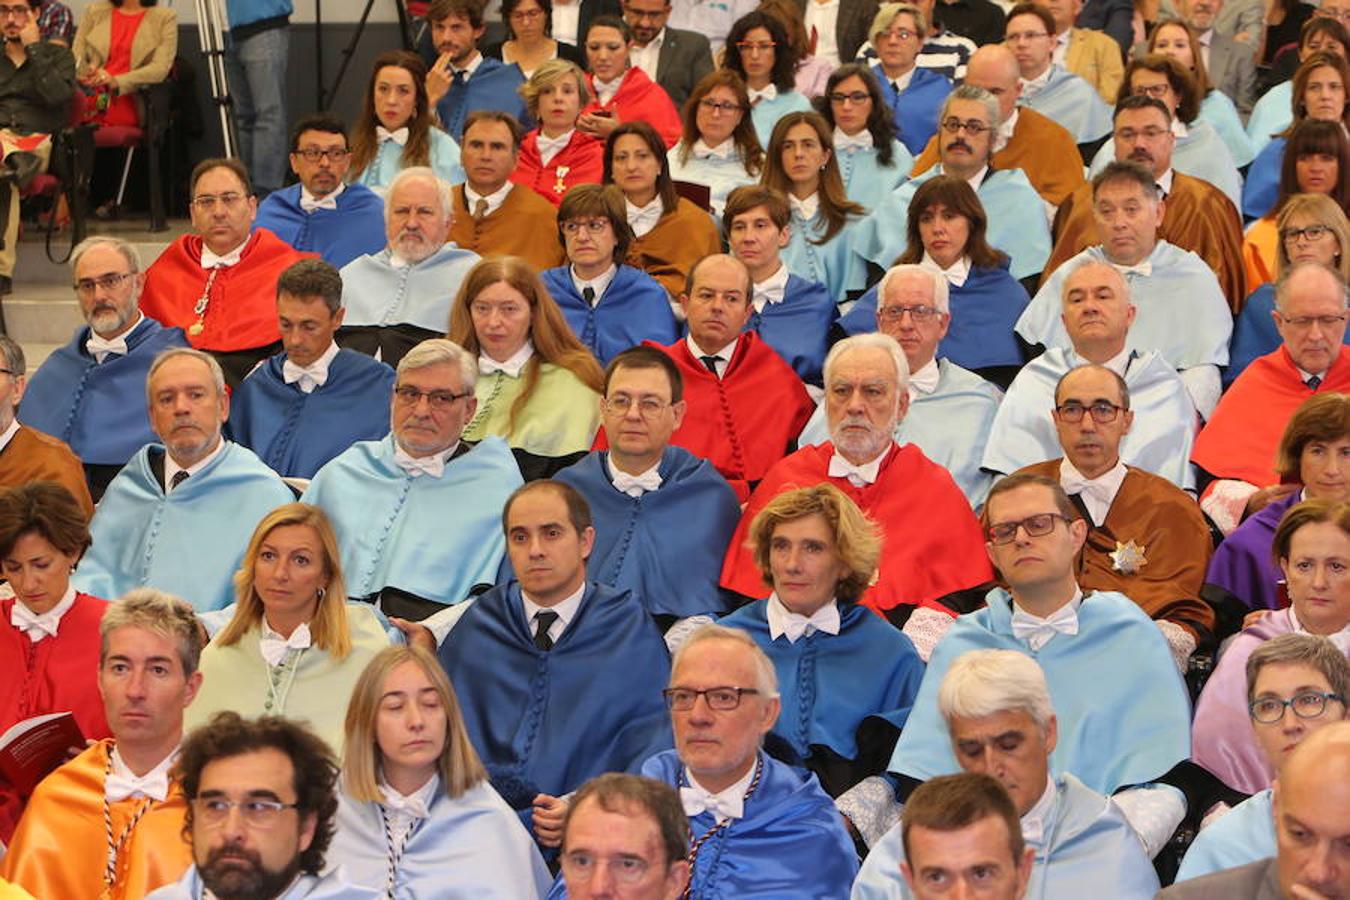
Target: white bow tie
{"type": "Point", "coordinates": [925, 381]}
{"type": "Point", "coordinates": [310, 377]}
{"type": "Point", "coordinates": [309, 204]}
{"type": "Point", "coordinates": [489, 366]}
{"type": "Point", "coordinates": [842, 468]}
{"type": "Point", "coordinates": [846, 143]}
{"type": "Point", "coordinates": [414, 466]}
{"type": "Point", "coordinates": [100, 348]}
{"type": "Point", "coordinates": [1037, 632]}
{"type": "Point", "coordinates": [36, 626]}
{"type": "Point", "coordinates": [398, 136]}
{"type": "Point", "coordinates": [721, 151]}
{"type": "Point", "coordinates": [644, 219]}
{"type": "Point", "coordinates": [1097, 491]}
{"type": "Point", "coordinates": [154, 785]}
{"type": "Point", "coordinates": [772, 294]}
{"type": "Point", "coordinates": [1144, 268]}
{"type": "Point", "coordinates": [956, 276]}
{"type": "Point", "coordinates": [274, 649]}
{"type": "Point", "coordinates": [769, 93]}
{"type": "Point", "coordinates": [806, 208]}
{"type": "Point", "coordinates": [413, 807]}
{"type": "Point", "coordinates": [696, 801]}
{"type": "Point", "coordinates": [824, 619]}
{"type": "Point", "coordinates": [637, 485]}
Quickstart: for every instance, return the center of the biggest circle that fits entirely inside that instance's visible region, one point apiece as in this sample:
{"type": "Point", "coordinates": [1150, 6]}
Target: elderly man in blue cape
{"type": "Point", "coordinates": [312, 401]}
{"type": "Point", "coordinates": [416, 512]}
{"type": "Point", "coordinates": [559, 678]}
{"type": "Point", "coordinates": [950, 409]}
{"type": "Point", "coordinates": [1290, 682]}
{"type": "Point", "coordinates": [1000, 721]}
{"type": "Point", "coordinates": [1182, 312]}
{"type": "Point", "coordinates": [322, 213]}
{"type": "Point", "coordinates": [1101, 654]}
{"type": "Point", "coordinates": [179, 515]}
{"type": "Point", "coordinates": [402, 294]}
{"type": "Point", "coordinates": [968, 126]}
{"type": "Point", "coordinates": [461, 79]}
{"type": "Point", "coordinates": [1097, 313]}
{"type": "Point", "coordinates": [791, 314]}
{"type": "Point", "coordinates": [1048, 87]}
{"type": "Point", "coordinates": [663, 517]}
{"type": "Point", "coordinates": [90, 392]}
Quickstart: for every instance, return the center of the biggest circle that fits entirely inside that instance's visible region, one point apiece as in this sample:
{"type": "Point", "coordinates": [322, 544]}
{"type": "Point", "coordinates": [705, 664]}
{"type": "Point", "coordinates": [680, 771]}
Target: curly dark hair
{"type": "Point", "coordinates": [784, 75]}
{"type": "Point", "coordinates": [315, 770]}
{"type": "Point", "coordinates": [881, 123]}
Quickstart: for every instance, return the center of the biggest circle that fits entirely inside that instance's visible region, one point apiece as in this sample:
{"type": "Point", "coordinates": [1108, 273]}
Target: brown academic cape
{"type": "Point", "coordinates": [60, 848]}
{"type": "Point", "coordinates": [1040, 147]}
{"type": "Point", "coordinates": [33, 456]}
{"type": "Point", "coordinates": [1197, 217]}
{"type": "Point", "coordinates": [1166, 524]}
{"type": "Point", "coordinates": [525, 225]}
{"type": "Point", "coordinates": [680, 238]}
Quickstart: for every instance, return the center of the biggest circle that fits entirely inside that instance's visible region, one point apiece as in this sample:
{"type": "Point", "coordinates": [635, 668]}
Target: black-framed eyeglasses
{"type": "Point", "coordinates": [719, 698]}
{"type": "Point", "coordinates": [314, 154]}
{"type": "Point", "coordinates": [439, 400]}
{"type": "Point", "coordinates": [256, 812]}
{"type": "Point", "coordinates": [756, 46]}
{"type": "Point", "coordinates": [1306, 705]}
{"type": "Point", "coordinates": [109, 282]}
{"type": "Point", "coordinates": [857, 98]}
{"type": "Point", "coordinates": [1035, 526]}
{"type": "Point", "coordinates": [1101, 411]}
{"type": "Point", "coordinates": [952, 125]}
{"type": "Point", "coordinates": [921, 315]}
{"type": "Point", "coordinates": [719, 106]}
{"type": "Point", "coordinates": [1311, 233]}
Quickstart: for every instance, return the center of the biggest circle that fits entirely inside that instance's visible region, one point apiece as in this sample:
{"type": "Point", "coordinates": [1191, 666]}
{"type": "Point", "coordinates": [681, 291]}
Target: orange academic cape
{"type": "Point", "coordinates": [32, 455]}
{"type": "Point", "coordinates": [1040, 146]}
{"type": "Point", "coordinates": [932, 543]}
{"type": "Point", "coordinates": [60, 848]}
{"type": "Point", "coordinates": [680, 239]}
{"type": "Point", "coordinates": [525, 225]}
{"type": "Point", "coordinates": [1241, 438]}
{"type": "Point", "coordinates": [242, 312]}
{"type": "Point", "coordinates": [641, 99]}
{"type": "Point", "coordinates": [1197, 217]}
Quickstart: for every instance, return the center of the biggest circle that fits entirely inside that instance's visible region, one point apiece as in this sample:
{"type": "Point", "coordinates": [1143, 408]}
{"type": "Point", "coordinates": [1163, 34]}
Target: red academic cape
{"type": "Point", "coordinates": [57, 674]}
{"type": "Point", "coordinates": [640, 98]}
{"type": "Point", "coordinates": [60, 848]}
{"type": "Point", "coordinates": [1240, 439]}
{"type": "Point", "coordinates": [932, 543]}
{"type": "Point", "coordinates": [242, 312]}
{"type": "Point", "coordinates": [582, 161]}
{"type": "Point", "coordinates": [744, 421]}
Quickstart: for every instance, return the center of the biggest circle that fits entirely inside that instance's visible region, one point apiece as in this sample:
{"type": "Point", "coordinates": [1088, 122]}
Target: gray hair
{"type": "Point", "coordinates": [876, 340]}
{"type": "Point", "coordinates": [1309, 650]}
{"type": "Point", "coordinates": [217, 373]}
{"type": "Point", "coordinates": [128, 251]}
{"type": "Point", "coordinates": [886, 16]}
{"type": "Point", "coordinates": [970, 92]}
{"type": "Point", "coordinates": [435, 351]}
{"type": "Point", "coordinates": [1088, 264]}
{"type": "Point", "coordinates": [1282, 282]}
{"type": "Point", "coordinates": [443, 190]}
{"type": "Point", "coordinates": [983, 683]}
{"type": "Point", "coordinates": [158, 612]}
{"type": "Point", "coordinates": [766, 677]}
{"type": "Point", "coordinates": [13, 354]}
{"type": "Point", "coordinates": [940, 289]}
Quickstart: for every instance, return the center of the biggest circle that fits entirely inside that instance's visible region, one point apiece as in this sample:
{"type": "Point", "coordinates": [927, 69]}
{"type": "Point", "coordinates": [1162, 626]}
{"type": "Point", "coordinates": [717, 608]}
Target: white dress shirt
{"type": "Point", "coordinates": [806, 206]}
{"type": "Point", "coordinates": [1033, 86]}
{"type": "Point", "coordinates": [471, 67]}
{"type": "Point", "coordinates": [823, 18]}
{"type": "Point", "coordinates": [494, 200]}
{"type": "Point", "coordinates": [566, 610]}
{"type": "Point", "coordinates": [646, 58]}
{"type": "Point", "coordinates": [313, 375]}
{"type": "Point", "coordinates": [566, 19]}
{"type": "Point", "coordinates": [275, 648]}
{"type": "Point", "coordinates": [1097, 493]}
{"type": "Point", "coordinates": [1165, 182]}
{"type": "Point", "coordinates": [605, 90]}
{"type": "Point", "coordinates": [210, 260]}
{"type": "Point", "coordinates": [642, 219]}
{"type": "Point", "coordinates": [858, 476]}
{"type": "Point", "coordinates": [724, 150]}
{"type": "Point", "coordinates": [901, 82]}
{"type": "Point", "coordinates": [513, 365]}
{"type": "Point", "coordinates": [1061, 48]}
{"type": "Point", "coordinates": [851, 143]}
{"type": "Point", "coordinates": [924, 380]}
{"type": "Point", "coordinates": [784, 622]}
{"type": "Point", "coordinates": [172, 468]}
{"type": "Point", "coordinates": [723, 355]}
{"type": "Point", "coordinates": [1005, 130]}
{"type": "Point", "coordinates": [309, 203]}
{"type": "Point", "coordinates": [634, 485]}
{"type": "Point", "coordinates": [600, 283]}
{"type": "Point", "coordinates": [768, 92]}
{"type": "Point", "coordinates": [1033, 823]}
{"type": "Point", "coordinates": [41, 625]}
{"type": "Point", "coordinates": [728, 803]}
{"type": "Point", "coordinates": [99, 348]}
{"type": "Point", "coordinates": [550, 147]}
{"type": "Point", "coordinates": [404, 810]}
{"type": "Point", "coordinates": [771, 290]}
{"type": "Point", "coordinates": [417, 466]}
{"type": "Point", "coordinates": [8, 434]}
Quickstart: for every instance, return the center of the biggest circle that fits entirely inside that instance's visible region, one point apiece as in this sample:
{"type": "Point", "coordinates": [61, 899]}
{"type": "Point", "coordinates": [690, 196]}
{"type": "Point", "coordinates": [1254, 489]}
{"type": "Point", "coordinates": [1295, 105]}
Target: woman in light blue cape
{"type": "Point", "coordinates": [871, 161]}
{"type": "Point", "coordinates": [417, 816]}
{"type": "Point", "coordinates": [719, 148]}
{"type": "Point", "coordinates": [758, 50]}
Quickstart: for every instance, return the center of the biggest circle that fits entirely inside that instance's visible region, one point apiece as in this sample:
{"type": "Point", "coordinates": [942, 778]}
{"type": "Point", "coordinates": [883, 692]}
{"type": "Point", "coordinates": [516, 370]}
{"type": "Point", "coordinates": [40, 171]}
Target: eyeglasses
{"type": "Point", "coordinates": [1322, 13]}
{"type": "Point", "coordinates": [1035, 526]}
{"type": "Point", "coordinates": [314, 154]}
{"type": "Point", "coordinates": [213, 811]}
{"type": "Point", "coordinates": [591, 226]}
{"type": "Point", "coordinates": [953, 125]}
{"type": "Point", "coordinates": [1149, 134]}
{"type": "Point", "coordinates": [898, 34]}
{"type": "Point", "coordinates": [1156, 91]}
{"type": "Point", "coordinates": [1014, 37]}
{"type": "Point", "coordinates": [643, 15]}
{"type": "Point", "coordinates": [109, 282]}
{"type": "Point", "coordinates": [15, 11]}
{"type": "Point", "coordinates": [207, 202]}
{"type": "Point", "coordinates": [920, 314]}
{"type": "Point", "coordinates": [583, 866]}
{"type": "Point", "coordinates": [1102, 412]}
{"type": "Point", "coordinates": [720, 106]}
{"type": "Point", "coordinates": [648, 407]}
{"type": "Point", "coordinates": [719, 698]}
{"type": "Point", "coordinates": [857, 98]}
{"type": "Point", "coordinates": [756, 46]}
{"type": "Point", "coordinates": [439, 400]}
{"type": "Point", "coordinates": [1310, 234]}
{"type": "Point", "coordinates": [1307, 705]}
{"type": "Point", "coordinates": [1307, 321]}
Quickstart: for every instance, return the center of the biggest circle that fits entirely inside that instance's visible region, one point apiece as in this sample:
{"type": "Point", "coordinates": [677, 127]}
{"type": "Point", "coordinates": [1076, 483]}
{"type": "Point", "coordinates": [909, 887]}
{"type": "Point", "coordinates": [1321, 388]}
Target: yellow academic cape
{"type": "Point", "coordinates": [60, 847]}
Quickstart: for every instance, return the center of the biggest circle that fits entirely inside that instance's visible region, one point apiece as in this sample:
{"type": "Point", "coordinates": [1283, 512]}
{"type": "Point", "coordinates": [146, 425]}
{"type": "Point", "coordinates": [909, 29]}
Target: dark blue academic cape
{"type": "Point", "coordinates": [634, 308]}
{"type": "Point", "coordinates": [984, 311]}
{"type": "Point", "coordinates": [99, 410]}
{"type": "Point", "coordinates": [667, 545]}
{"type": "Point", "coordinates": [830, 684]}
{"type": "Point", "coordinates": [493, 85]}
{"type": "Point", "coordinates": [916, 109]}
{"type": "Point", "coordinates": [1261, 188]}
{"type": "Point", "coordinates": [296, 433]}
{"type": "Point", "coordinates": [339, 235]}
{"type": "Point", "coordinates": [798, 328]}
{"type": "Point", "coordinates": [545, 722]}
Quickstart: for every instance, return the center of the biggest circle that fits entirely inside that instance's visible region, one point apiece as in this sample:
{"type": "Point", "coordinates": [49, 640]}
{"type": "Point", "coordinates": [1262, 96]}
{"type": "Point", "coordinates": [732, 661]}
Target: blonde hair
{"type": "Point", "coordinates": [328, 629]}
{"type": "Point", "coordinates": [548, 75]}
{"type": "Point", "coordinates": [458, 765]}
{"type": "Point", "coordinates": [158, 612]}
{"type": "Point", "coordinates": [857, 540]}
{"type": "Point", "coordinates": [1323, 210]}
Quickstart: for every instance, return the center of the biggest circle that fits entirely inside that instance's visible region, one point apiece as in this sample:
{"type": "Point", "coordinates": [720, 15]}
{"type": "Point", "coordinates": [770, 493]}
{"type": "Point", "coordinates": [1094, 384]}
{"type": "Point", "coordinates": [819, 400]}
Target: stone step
{"type": "Point", "coordinates": [41, 313]}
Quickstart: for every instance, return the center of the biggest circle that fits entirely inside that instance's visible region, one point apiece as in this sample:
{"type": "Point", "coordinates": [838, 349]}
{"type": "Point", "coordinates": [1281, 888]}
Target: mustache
{"type": "Point", "coordinates": [958, 143]}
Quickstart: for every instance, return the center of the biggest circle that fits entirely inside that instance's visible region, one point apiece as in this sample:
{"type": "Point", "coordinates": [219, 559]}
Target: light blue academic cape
{"type": "Point", "coordinates": [1016, 214]}
{"type": "Point", "coordinates": [1273, 113]}
{"type": "Point", "coordinates": [1088, 847]}
{"type": "Point", "coordinates": [332, 885]}
{"type": "Point", "coordinates": [375, 292]}
{"type": "Point", "coordinates": [1218, 110]}
{"type": "Point", "coordinates": [766, 113]}
{"type": "Point", "coordinates": [1262, 187]}
{"type": "Point", "coordinates": [189, 542]}
{"type": "Point", "coordinates": [1159, 441]}
{"type": "Point", "coordinates": [1244, 835]}
{"type": "Point", "coordinates": [866, 180]}
{"type": "Point", "coordinates": [1106, 736]}
{"type": "Point", "coordinates": [915, 108]}
{"type": "Point", "coordinates": [720, 176]}
{"type": "Point", "coordinates": [433, 537]}
{"type": "Point", "coordinates": [833, 264]}
{"type": "Point", "coordinates": [388, 162]}
{"type": "Point", "coordinates": [949, 425]}
{"type": "Point", "coordinates": [471, 847]}
{"type": "Point", "coordinates": [1073, 103]}
{"type": "Point", "coordinates": [1181, 310]}
{"type": "Point", "coordinates": [1200, 154]}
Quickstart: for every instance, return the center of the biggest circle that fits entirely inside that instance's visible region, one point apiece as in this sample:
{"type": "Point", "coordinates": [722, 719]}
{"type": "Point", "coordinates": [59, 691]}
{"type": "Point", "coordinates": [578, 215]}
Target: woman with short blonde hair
{"type": "Point", "coordinates": [556, 155]}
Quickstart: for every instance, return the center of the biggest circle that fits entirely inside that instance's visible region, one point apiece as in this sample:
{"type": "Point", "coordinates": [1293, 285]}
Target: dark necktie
{"type": "Point", "coordinates": [543, 621]}
{"type": "Point", "coordinates": [895, 86]}
{"type": "Point", "coordinates": [1314, 382]}
{"type": "Point", "coordinates": [588, 294]}
{"type": "Point", "coordinates": [178, 478]}
{"type": "Point", "coordinates": [710, 362]}
{"type": "Point", "coordinates": [459, 78]}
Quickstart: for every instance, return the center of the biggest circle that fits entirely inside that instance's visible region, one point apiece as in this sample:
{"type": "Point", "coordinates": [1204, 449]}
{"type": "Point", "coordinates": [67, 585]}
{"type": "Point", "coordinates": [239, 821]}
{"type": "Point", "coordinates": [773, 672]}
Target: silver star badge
{"type": "Point", "coordinates": [1128, 558]}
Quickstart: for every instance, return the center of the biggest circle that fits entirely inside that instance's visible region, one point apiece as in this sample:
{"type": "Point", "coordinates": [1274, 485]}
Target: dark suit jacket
{"type": "Point", "coordinates": [685, 58]}
{"type": "Point", "coordinates": [1254, 881]}
{"type": "Point", "coordinates": [850, 29]}
{"type": "Point", "coordinates": [1233, 71]}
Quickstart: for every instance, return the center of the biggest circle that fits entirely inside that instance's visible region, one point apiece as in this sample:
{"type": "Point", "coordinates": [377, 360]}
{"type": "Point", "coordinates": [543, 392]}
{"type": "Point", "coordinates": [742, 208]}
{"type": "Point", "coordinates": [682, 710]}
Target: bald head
{"type": "Point", "coordinates": [994, 68]}
{"type": "Point", "coordinates": [1312, 815]}
{"type": "Point", "coordinates": [717, 303]}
